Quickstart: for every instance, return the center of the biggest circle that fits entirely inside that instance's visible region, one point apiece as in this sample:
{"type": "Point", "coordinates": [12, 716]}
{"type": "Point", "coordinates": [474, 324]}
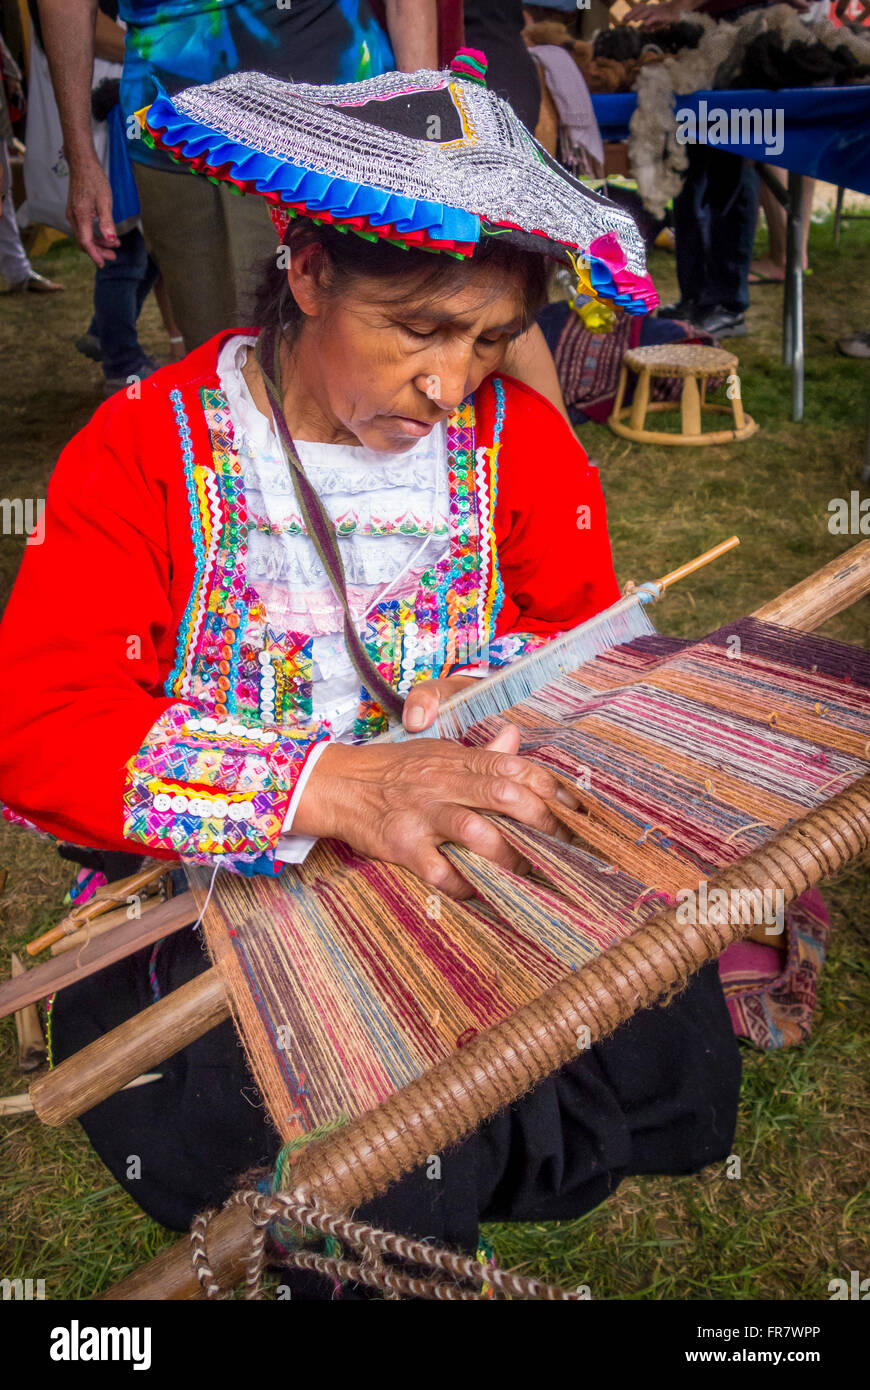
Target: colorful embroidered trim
{"type": "Point", "coordinates": [348, 524]}
{"type": "Point", "coordinates": [494, 599]}
{"type": "Point", "coordinates": [173, 685]}
{"type": "Point", "coordinates": [371, 212]}
{"type": "Point", "coordinates": [202, 787]}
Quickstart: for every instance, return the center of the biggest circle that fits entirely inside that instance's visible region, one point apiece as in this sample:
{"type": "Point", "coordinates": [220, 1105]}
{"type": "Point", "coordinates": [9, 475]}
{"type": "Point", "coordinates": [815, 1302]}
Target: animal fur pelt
{"type": "Point", "coordinates": [657, 161]}
{"type": "Point", "coordinates": [625, 42]}
{"type": "Point", "coordinates": [600, 72]}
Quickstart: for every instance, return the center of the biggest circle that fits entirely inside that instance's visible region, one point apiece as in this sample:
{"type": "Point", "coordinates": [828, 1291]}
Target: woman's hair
{"type": "Point", "coordinates": [408, 276]}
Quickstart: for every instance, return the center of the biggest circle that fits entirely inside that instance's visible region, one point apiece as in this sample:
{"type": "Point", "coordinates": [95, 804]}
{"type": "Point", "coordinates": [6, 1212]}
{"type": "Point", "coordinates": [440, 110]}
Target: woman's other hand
{"type": "Point", "coordinates": [424, 700]}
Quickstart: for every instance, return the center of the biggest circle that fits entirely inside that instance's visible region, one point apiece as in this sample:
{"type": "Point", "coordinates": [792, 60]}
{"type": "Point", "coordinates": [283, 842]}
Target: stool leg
{"type": "Point", "coordinates": [620, 391]}
{"type": "Point", "coordinates": [737, 405]}
{"type": "Point", "coordinates": [690, 406]}
{"type": "Point", "coordinates": [641, 400]}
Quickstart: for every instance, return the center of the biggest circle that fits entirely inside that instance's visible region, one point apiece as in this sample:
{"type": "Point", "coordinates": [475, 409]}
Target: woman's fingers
{"type": "Point", "coordinates": [507, 740]}
{"type": "Point", "coordinates": [421, 707]}
{"type": "Point", "coordinates": [545, 784]}
{"type": "Point", "coordinates": [457, 825]}
{"type": "Point", "coordinates": [510, 769]}
{"type": "Point", "coordinates": [436, 870]}
{"type": "Point", "coordinates": [423, 702]}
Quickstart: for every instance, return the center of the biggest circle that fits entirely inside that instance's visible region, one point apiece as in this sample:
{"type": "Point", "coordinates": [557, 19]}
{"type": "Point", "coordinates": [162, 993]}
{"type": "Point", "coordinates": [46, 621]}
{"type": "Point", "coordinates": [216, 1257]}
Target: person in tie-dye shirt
{"type": "Point", "coordinates": [205, 240]}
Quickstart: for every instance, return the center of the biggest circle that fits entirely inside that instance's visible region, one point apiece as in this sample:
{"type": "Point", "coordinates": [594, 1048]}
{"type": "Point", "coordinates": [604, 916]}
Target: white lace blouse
{"type": "Point", "coordinates": [391, 515]}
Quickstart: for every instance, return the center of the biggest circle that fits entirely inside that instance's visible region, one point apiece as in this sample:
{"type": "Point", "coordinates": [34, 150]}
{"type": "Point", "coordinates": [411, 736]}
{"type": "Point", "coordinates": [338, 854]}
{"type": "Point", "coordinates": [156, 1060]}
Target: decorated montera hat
{"type": "Point", "coordinates": [422, 159]}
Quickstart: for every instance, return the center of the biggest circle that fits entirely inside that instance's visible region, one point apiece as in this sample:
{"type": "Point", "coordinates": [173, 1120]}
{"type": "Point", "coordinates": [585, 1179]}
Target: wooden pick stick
{"type": "Point", "coordinates": [98, 926]}
{"type": "Point", "coordinates": [114, 945]}
{"type": "Point", "coordinates": [565, 639]}
{"type": "Point", "coordinates": [689, 568]}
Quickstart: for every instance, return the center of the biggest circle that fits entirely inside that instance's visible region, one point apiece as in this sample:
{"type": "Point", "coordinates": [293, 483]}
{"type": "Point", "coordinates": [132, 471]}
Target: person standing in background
{"type": "Point", "coordinates": [496, 27]}
{"type": "Point", "coordinates": [716, 211]}
{"type": "Point", "coordinates": [770, 269]}
{"type": "Point", "coordinates": [204, 239]}
{"type": "Point", "coordinates": [14, 264]}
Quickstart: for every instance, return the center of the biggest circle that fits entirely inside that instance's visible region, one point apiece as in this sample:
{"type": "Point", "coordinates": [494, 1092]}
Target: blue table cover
{"type": "Point", "coordinates": [826, 130]}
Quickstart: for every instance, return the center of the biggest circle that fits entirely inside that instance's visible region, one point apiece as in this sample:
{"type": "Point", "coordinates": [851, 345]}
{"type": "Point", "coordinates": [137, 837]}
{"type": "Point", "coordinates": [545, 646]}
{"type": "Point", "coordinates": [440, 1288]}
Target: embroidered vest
{"type": "Point", "coordinates": [234, 664]}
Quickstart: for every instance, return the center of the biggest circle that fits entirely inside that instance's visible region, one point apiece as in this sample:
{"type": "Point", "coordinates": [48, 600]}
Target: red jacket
{"type": "Point", "coordinates": [130, 644]}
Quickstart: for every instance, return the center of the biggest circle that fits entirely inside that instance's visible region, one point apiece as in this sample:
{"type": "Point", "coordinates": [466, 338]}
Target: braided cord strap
{"type": "Point", "coordinates": [451, 1276]}
{"type": "Point", "coordinates": [360, 1160]}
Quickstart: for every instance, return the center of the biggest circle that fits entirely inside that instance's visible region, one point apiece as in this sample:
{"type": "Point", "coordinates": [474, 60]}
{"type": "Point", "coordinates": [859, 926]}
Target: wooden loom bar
{"type": "Point", "coordinates": [102, 950]}
{"type": "Point", "coordinates": [98, 926]}
{"type": "Point", "coordinates": [822, 599]}
{"type": "Point", "coordinates": [138, 1045]}
{"type": "Point", "coordinates": [360, 1160]}
{"type": "Point", "coordinates": [809, 604]}
{"type": "Point", "coordinates": [101, 902]}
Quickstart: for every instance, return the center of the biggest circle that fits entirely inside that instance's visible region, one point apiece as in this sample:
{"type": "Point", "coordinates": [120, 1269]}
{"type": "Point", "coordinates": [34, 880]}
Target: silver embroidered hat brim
{"type": "Point", "coordinates": [496, 171]}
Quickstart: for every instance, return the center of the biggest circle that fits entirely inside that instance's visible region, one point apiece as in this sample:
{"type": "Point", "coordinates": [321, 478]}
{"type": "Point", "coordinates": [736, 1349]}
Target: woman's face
{"type": "Point", "coordinates": [382, 374]}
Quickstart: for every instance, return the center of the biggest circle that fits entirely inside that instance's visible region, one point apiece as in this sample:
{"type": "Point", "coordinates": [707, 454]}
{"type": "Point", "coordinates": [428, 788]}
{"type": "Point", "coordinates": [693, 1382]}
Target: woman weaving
{"type": "Point", "coordinates": [301, 531]}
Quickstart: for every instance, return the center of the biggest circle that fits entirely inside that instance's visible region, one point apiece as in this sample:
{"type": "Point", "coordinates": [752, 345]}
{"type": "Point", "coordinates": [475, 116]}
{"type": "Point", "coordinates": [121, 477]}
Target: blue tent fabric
{"type": "Point", "coordinates": [826, 130]}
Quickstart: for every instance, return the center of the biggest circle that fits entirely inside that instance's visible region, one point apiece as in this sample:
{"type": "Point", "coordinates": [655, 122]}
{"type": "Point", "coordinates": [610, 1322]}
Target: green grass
{"type": "Point", "coordinates": [799, 1214]}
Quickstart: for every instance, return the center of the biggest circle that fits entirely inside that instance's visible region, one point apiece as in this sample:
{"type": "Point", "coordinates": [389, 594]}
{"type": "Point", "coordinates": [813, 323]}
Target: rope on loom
{"type": "Point", "coordinates": [308, 1220]}
{"type": "Point", "coordinates": [462, 1278]}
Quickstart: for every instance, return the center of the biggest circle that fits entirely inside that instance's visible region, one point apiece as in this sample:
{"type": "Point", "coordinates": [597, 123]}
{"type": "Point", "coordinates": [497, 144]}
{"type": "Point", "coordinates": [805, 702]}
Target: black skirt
{"type": "Point", "coordinates": [658, 1096]}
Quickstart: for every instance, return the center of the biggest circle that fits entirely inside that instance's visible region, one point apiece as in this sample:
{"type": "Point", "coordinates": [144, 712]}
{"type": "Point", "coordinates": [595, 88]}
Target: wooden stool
{"type": "Point", "coordinates": [695, 365]}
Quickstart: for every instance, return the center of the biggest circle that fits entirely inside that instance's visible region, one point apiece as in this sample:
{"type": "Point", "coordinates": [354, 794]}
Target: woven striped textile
{"type": "Point", "coordinates": [348, 977]}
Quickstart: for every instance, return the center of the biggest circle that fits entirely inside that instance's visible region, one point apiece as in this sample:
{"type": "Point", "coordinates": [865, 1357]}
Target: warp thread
{"type": "Point", "coordinates": [152, 970]}
{"type": "Point", "coordinates": [49, 1008]}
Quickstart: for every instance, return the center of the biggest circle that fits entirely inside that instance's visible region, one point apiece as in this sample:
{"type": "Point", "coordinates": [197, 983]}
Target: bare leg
{"type": "Point", "coordinates": [176, 342]}
{"type": "Point", "coordinates": [772, 266]}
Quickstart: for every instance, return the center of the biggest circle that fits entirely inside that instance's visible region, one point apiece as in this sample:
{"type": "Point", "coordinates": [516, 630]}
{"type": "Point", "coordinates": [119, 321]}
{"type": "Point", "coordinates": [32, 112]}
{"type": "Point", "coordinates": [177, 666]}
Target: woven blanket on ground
{"type": "Point", "coordinates": [349, 977]}
{"type": "Point", "coordinates": [771, 997]}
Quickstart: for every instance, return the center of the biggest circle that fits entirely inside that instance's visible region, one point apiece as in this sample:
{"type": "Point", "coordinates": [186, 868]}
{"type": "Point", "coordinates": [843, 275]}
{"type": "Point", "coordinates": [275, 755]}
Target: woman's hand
{"type": "Point", "coordinates": [399, 802]}
{"type": "Point", "coordinates": [424, 700]}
